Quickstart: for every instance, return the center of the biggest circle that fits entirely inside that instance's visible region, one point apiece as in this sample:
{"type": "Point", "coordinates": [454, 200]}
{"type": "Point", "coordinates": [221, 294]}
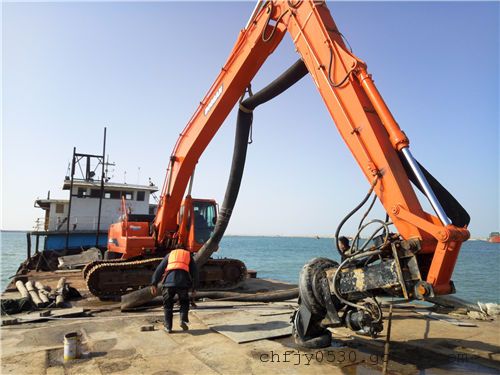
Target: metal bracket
{"type": "Point", "coordinates": [331, 311]}
{"type": "Point", "coordinates": [399, 271]}
{"type": "Point", "coordinates": [301, 320]}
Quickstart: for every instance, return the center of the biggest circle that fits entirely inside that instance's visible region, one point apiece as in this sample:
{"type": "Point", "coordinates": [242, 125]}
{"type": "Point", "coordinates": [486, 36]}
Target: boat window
{"type": "Point", "coordinates": [59, 208]}
{"type": "Point", "coordinates": [128, 195]}
{"type": "Point", "coordinates": [82, 192]}
{"type": "Point", "coordinates": [141, 195]}
{"type": "Point", "coordinates": [112, 195]}
{"type": "Point", "coordinates": [95, 193]}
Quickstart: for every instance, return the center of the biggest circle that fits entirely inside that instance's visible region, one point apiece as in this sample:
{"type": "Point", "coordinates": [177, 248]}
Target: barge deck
{"type": "Point", "coordinates": [237, 337]}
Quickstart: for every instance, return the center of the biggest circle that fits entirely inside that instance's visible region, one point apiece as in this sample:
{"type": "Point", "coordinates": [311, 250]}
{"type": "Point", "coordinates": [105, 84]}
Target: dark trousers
{"type": "Point", "coordinates": [168, 303]}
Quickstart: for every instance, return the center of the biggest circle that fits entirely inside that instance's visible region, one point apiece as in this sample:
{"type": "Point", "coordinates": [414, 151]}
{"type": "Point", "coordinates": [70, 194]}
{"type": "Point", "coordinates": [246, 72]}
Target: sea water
{"type": "Point", "coordinates": [476, 274]}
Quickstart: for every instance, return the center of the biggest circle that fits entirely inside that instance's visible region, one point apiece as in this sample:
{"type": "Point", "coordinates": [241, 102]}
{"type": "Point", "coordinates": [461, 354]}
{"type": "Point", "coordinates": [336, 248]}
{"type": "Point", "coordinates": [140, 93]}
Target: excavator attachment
{"type": "Point", "coordinates": [346, 294]}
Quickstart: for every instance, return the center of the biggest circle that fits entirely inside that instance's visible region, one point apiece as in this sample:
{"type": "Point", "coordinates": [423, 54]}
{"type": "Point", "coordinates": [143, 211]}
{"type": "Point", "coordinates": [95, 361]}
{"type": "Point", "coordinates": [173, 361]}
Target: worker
{"type": "Point", "coordinates": [178, 273]}
{"type": "Point", "coordinates": [202, 229]}
{"type": "Point", "coordinates": [344, 247]}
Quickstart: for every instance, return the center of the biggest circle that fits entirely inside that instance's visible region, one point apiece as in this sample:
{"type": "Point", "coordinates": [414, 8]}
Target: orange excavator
{"type": "Point", "coordinates": [416, 261]}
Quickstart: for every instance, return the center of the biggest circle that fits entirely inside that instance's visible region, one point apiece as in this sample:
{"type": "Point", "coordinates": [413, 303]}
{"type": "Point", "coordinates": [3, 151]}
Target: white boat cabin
{"type": "Point", "coordinates": [85, 205]}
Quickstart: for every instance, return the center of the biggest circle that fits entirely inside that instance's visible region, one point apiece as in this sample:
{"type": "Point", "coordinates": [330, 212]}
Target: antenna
{"type": "Point", "coordinates": [138, 175]}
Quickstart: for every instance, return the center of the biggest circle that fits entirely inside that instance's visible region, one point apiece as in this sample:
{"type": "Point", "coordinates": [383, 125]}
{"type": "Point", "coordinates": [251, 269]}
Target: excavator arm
{"type": "Point", "coordinates": [245, 60]}
{"type": "Point", "coordinates": [363, 119]}
{"type": "Point", "coordinates": [415, 262]}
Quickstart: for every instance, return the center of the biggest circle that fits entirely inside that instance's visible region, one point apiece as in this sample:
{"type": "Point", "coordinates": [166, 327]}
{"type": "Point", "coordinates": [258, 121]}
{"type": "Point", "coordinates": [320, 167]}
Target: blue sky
{"type": "Point", "coordinates": [141, 68]}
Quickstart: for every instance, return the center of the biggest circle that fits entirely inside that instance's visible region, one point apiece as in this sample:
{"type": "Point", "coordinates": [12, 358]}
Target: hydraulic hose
{"type": "Point", "coordinates": [143, 297]}
{"type": "Point", "coordinates": [243, 125]}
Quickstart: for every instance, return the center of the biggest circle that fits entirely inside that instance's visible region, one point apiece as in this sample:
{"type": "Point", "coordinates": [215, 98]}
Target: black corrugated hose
{"type": "Point", "coordinates": [243, 125]}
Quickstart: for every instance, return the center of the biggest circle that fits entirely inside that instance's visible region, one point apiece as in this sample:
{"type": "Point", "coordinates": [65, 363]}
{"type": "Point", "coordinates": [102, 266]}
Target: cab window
{"type": "Point", "coordinates": [204, 220]}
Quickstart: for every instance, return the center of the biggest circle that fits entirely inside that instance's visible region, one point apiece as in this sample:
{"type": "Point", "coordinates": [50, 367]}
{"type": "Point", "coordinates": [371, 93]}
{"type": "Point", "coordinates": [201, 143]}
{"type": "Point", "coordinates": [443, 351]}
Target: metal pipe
{"type": "Point", "coordinates": [37, 243]}
{"type": "Point", "coordinates": [254, 13]}
{"type": "Point", "coordinates": [70, 199]}
{"type": "Point", "coordinates": [22, 289]}
{"type": "Point", "coordinates": [42, 293]}
{"type": "Point", "coordinates": [101, 190]}
{"type": "Point", "coordinates": [59, 291]}
{"type": "Point", "coordinates": [387, 343]}
{"type": "Point", "coordinates": [436, 205]}
{"type": "Point", "coordinates": [33, 294]}
{"type": "Point", "coordinates": [191, 183]}
{"type": "Point", "coordinates": [170, 174]}
{"type": "Point", "coordinates": [28, 245]}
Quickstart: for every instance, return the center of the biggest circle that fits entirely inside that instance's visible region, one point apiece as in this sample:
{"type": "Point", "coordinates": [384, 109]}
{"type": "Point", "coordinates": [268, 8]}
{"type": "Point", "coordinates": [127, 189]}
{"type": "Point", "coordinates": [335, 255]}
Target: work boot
{"type": "Point", "coordinates": [184, 325]}
{"type": "Point", "coordinates": [184, 320]}
{"type": "Point", "coordinates": [168, 321]}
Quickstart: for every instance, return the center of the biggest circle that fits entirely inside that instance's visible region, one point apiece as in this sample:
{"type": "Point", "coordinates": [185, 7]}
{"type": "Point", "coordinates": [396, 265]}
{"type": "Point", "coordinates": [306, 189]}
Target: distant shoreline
{"type": "Point", "coordinates": [227, 235]}
{"type": "Point", "coordinates": [249, 235]}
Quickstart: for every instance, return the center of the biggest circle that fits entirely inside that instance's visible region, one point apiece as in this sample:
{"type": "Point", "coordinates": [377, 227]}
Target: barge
{"type": "Point", "coordinates": [228, 337]}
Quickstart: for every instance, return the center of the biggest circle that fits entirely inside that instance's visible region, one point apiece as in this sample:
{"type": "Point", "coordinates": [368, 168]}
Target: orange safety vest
{"type": "Point", "coordinates": [178, 260]}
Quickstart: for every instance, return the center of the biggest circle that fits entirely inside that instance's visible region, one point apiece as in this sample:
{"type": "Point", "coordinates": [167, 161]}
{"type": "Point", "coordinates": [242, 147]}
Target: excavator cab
{"type": "Point", "coordinates": [197, 218]}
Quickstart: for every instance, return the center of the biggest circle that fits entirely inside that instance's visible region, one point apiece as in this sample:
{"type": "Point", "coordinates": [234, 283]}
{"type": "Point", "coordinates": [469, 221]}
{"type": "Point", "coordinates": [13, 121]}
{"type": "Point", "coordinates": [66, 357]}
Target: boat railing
{"type": "Point", "coordinates": [77, 223]}
{"type": "Point", "coordinates": [39, 224]}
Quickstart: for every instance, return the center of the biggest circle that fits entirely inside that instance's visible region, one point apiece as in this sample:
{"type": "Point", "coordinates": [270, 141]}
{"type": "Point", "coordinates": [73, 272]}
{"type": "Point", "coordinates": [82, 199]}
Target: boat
{"type": "Point", "coordinates": [82, 220]}
{"type": "Point", "coordinates": [83, 227]}
{"type": "Point", "coordinates": [494, 237]}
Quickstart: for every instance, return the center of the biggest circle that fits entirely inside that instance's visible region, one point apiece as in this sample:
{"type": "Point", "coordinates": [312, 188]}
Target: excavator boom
{"type": "Point", "coordinates": [360, 114]}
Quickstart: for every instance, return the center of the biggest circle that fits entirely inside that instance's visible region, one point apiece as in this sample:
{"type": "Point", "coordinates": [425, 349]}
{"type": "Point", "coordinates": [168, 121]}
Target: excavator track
{"type": "Point", "coordinates": [91, 265]}
{"type": "Point", "coordinates": [112, 278]}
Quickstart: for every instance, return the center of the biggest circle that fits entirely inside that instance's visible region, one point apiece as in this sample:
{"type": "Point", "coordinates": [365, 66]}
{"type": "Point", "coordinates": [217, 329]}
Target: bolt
{"type": "Point", "coordinates": [442, 235]}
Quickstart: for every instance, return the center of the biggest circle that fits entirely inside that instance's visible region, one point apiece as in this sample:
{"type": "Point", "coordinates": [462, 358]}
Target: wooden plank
{"type": "Point", "coordinates": [243, 326]}
{"type": "Point", "coordinates": [41, 315]}
{"type": "Point", "coordinates": [68, 271]}
{"type": "Point", "coordinates": [273, 313]}
{"type": "Point", "coordinates": [444, 318]}
{"type": "Point", "coordinates": [79, 260]}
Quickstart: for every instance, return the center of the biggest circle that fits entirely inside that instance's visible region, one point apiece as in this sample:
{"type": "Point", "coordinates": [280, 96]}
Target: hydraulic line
{"type": "Point", "coordinates": [353, 211]}
{"type": "Point", "coordinates": [383, 225]}
{"type": "Point", "coordinates": [359, 254]}
{"type": "Point", "coordinates": [243, 125]}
